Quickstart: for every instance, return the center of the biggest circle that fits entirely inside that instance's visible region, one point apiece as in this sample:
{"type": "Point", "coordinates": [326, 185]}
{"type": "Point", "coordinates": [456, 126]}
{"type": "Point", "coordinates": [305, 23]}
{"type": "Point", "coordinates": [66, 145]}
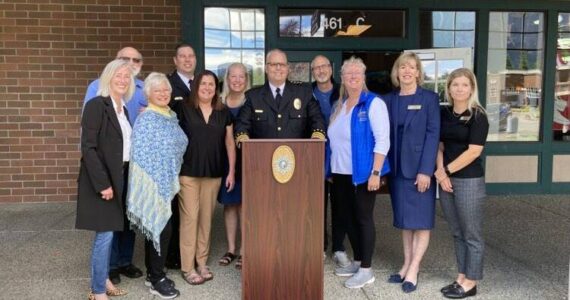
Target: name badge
{"type": "Point", "coordinates": [362, 116]}
{"type": "Point", "coordinates": [415, 107]}
{"type": "Point", "coordinates": [178, 98]}
{"type": "Point", "coordinates": [259, 111]}
{"type": "Point", "coordinates": [465, 118]}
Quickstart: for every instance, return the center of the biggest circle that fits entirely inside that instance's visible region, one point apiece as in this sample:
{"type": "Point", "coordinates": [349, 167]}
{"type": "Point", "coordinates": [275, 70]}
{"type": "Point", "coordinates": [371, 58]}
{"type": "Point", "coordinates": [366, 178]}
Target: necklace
{"type": "Point", "coordinates": [457, 115]}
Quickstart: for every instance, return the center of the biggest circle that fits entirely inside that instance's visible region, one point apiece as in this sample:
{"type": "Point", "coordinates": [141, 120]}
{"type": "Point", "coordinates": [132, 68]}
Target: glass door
{"type": "Point", "coordinates": [438, 63]}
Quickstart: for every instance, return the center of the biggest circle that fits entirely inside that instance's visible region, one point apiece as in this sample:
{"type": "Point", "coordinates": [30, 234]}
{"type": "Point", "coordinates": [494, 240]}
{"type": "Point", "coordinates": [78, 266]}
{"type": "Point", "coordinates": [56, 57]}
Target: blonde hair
{"type": "Point", "coordinates": [343, 94]}
{"type": "Point", "coordinates": [473, 101]}
{"type": "Point", "coordinates": [108, 73]}
{"type": "Point", "coordinates": [226, 86]}
{"type": "Point", "coordinates": [403, 59]}
{"type": "Point", "coordinates": [153, 80]}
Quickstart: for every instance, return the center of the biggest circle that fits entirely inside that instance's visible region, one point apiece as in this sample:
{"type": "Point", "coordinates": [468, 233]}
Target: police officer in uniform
{"type": "Point", "coordinates": [181, 82]}
{"type": "Point", "coordinates": [279, 109]}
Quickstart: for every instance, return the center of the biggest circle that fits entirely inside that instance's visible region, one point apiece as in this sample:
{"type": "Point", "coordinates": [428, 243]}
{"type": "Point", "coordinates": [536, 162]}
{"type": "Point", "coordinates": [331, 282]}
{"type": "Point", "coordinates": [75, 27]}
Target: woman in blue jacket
{"type": "Point", "coordinates": [414, 127]}
{"type": "Point", "coordinates": [360, 139]}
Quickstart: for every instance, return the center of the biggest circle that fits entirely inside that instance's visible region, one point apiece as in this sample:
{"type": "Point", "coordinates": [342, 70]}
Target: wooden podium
{"type": "Point", "coordinates": [282, 223]}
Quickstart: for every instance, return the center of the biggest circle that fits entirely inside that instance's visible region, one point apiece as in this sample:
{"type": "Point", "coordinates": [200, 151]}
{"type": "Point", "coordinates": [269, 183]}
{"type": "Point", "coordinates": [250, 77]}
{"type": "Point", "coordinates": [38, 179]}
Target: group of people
{"type": "Point", "coordinates": [163, 173]}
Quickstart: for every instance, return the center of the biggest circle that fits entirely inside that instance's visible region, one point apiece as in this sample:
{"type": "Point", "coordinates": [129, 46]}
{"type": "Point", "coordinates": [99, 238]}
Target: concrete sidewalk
{"type": "Point", "coordinates": [42, 256]}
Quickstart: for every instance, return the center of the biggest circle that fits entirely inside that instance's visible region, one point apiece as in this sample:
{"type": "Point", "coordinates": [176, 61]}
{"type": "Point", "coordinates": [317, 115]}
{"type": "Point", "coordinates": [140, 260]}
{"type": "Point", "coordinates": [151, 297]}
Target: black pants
{"type": "Point", "coordinates": [173, 256]}
{"type": "Point", "coordinates": [352, 211]}
{"type": "Point", "coordinates": [154, 262]}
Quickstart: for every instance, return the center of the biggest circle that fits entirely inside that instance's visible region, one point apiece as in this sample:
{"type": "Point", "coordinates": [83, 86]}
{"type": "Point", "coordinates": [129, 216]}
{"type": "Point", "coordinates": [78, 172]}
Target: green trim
{"type": "Point", "coordinates": [514, 188]}
{"type": "Point", "coordinates": [193, 33]}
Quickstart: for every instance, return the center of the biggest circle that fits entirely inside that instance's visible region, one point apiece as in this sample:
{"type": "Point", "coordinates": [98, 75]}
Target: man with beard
{"type": "Point", "coordinates": [326, 91]}
{"type": "Point", "coordinates": [138, 102]}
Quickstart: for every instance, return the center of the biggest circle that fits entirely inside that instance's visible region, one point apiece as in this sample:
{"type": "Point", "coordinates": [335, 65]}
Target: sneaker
{"type": "Point", "coordinates": [360, 279]}
{"type": "Point", "coordinates": [148, 283]}
{"type": "Point", "coordinates": [349, 270]}
{"type": "Point", "coordinates": [341, 259]}
{"type": "Point", "coordinates": [164, 289]}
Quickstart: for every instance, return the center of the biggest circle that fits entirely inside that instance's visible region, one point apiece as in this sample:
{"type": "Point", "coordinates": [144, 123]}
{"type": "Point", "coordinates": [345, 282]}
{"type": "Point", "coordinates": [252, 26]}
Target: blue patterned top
{"type": "Point", "coordinates": [158, 145]}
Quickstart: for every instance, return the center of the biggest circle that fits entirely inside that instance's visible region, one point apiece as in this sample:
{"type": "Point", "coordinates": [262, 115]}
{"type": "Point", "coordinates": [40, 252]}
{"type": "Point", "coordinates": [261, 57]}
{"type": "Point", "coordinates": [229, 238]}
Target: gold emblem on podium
{"type": "Point", "coordinates": [283, 164]}
{"type": "Point", "coordinates": [297, 103]}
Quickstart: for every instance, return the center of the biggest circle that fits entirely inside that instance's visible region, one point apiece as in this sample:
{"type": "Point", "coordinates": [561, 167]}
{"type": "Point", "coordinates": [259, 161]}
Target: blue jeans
{"type": "Point", "coordinates": [100, 256]}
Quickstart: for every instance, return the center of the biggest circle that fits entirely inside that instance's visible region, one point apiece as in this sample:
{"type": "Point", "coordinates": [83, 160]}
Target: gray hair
{"type": "Point", "coordinates": [153, 80]}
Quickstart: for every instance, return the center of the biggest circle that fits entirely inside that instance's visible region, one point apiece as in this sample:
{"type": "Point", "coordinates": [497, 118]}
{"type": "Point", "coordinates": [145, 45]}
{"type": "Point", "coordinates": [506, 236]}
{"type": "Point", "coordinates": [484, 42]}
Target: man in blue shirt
{"type": "Point", "coordinates": [326, 91]}
{"type": "Point", "coordinates": [124, 241]}
{"type": "Point", "coordinates": [138, 102]}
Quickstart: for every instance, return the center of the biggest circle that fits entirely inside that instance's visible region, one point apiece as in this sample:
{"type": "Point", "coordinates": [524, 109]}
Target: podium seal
{"type": "Point", "coordinates": [283, 164]}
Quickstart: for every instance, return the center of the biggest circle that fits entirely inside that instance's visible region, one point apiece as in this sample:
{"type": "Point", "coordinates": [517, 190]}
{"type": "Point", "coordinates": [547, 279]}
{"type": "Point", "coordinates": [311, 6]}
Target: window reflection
{"type": "Point", "coordinates": [235, 35]}
{"type": "Point", "coordinates": [561, 122]}
{"type": "Point", "coordinates": [514, 75]}
{"type": "Point", "coordinates": [447, 29]}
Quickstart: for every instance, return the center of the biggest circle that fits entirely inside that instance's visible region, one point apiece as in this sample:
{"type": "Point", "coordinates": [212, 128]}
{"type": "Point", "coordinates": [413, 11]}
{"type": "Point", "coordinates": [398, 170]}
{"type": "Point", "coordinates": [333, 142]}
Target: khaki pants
{"type": "Point", "coordinates": [197, 202]}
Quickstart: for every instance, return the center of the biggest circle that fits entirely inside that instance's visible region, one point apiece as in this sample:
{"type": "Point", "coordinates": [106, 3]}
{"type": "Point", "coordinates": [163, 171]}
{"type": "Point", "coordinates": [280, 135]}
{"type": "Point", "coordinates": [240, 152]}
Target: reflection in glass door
{"type": "Point", "coordinates": [439, 63]}
{"type": "Point", "coordinates": [300, 64]}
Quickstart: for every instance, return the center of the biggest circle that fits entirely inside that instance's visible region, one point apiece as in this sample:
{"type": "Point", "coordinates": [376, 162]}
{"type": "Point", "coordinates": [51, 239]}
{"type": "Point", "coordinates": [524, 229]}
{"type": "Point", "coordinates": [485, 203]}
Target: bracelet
{"type": "Point", "coordinates": [446, 169]}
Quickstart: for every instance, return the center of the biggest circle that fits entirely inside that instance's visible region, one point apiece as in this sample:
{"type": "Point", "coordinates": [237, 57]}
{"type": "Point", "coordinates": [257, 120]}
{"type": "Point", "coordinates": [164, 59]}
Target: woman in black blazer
{"type": "Point", "coordinates": [105, 147]}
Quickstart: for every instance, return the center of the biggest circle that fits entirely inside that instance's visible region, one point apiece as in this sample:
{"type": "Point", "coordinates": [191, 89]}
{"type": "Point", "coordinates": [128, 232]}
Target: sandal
{"type": "Point", "coordinates": [227, 259]}
{"type": "Point", "coordinates": [91, 296]}
{"type": "Point", "coordinates": [238, 263]}
{"type": "Point", "coordinates": [116, 292]}
{"type": "Point", "coordinates": [205, 273]}
{"type": "Point", "coordinates": [193, 278]}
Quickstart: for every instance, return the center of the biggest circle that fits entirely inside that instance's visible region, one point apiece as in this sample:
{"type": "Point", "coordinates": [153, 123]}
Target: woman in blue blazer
{"type": "Point", "coordinates": [414, 136]}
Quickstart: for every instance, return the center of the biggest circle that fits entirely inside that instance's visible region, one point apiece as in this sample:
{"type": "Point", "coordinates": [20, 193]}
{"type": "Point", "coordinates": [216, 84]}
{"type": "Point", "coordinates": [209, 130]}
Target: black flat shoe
{"type": "Point", "coordinates": [460, 293]}
{"type": "Point", "coordinates": [172, 264]}
{"type": "Point", "coordinates": [448, 287]}
{"type": "Point", "coordinates": [114, 276]}
{"type": "Point", "coordinates": [408, 286]}
{"type": "Point", "coordinates": [130, 271]}
{"type": "Point", "coordinates": [395, 278]}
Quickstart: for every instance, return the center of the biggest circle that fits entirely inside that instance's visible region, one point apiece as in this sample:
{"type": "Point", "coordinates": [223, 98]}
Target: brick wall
{"type": "Point", "coordinates": [49, 51]}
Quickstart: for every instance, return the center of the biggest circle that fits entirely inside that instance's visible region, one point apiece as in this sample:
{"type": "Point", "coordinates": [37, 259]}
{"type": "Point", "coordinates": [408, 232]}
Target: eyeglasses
{"type": "Point", "coordinates": [277, 65]}
{"type": "Point", "coordinates": [133, 59]}
{"type": "Point", "coordinates": [320, 67]}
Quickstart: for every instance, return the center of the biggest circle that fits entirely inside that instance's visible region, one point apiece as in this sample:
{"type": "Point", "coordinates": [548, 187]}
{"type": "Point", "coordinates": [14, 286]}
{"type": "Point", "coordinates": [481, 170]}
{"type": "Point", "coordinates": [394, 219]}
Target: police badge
{"type": "Point", "coordinates": [297, 103]}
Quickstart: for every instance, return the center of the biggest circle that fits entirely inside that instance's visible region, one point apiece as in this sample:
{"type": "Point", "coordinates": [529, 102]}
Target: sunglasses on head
{"type": "Point", "coordinates": [133, 59]}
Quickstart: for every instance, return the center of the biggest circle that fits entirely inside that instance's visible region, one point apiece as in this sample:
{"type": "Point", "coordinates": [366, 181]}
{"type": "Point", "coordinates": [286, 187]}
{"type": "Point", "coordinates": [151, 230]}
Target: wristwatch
{"type": "Point", "coordinates": [446, 169]}
{"type": "Point", "coordinates": [375, 173]}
